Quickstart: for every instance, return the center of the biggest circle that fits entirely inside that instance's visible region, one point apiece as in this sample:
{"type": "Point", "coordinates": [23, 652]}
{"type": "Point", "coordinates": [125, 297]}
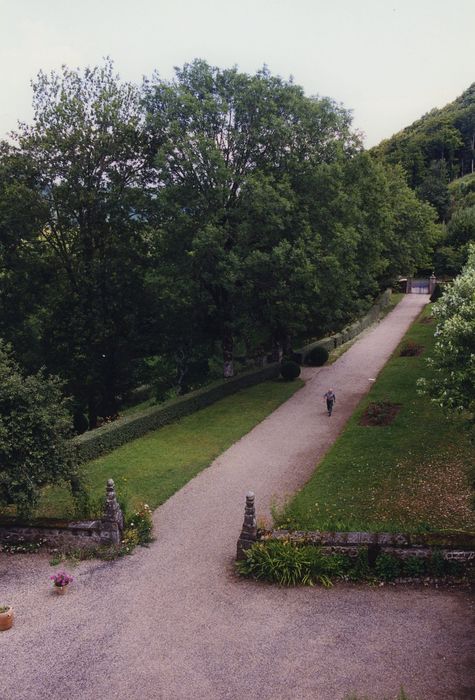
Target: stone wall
{"type": "Point", "coordinates": [65, 535]}
{"type": "Point", "coordinates": [458, 546]}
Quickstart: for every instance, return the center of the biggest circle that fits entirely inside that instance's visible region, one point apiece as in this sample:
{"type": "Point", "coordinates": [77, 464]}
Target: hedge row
{"type": "Point", "coordinates": [350, 332]}
{"type": "Point", "coordinates": [106, 438]}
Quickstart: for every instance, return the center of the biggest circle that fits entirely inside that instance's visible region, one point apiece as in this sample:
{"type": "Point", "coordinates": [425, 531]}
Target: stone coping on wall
{"type": "Point", "coordinates": [458, 546]}
{"type": "Point", "coordinates": [64, 534]}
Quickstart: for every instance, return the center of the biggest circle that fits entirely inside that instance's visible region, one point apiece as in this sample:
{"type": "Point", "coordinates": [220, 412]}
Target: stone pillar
{"type": "Point", "coordinates": [432, 283]}
{"type": "Point", "coordinates": [409, 285]}
{"type": "Point", "coordinates": [112, 521]}
{"type": "Point", "coordinates": [249, 528]}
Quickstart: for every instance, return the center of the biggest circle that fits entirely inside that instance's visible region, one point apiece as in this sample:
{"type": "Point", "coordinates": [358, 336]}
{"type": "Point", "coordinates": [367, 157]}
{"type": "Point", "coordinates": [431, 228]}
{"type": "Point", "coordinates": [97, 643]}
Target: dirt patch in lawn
{"type": "Point", "coordinates": [380, 413]}
{"type": "Point", "coordinates": [411, 349]}
{"type": "Point", "coordinates": [427, 320]}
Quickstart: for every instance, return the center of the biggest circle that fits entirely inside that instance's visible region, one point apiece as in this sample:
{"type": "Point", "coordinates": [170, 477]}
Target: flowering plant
{"type": "Point", "coordinates": [61, 578]}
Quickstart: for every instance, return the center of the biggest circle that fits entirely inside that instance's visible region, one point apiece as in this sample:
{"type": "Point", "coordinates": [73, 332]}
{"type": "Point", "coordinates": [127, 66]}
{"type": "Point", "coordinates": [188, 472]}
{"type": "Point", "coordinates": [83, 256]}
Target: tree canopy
{"type": "Point", "coordinates": [146, 229]}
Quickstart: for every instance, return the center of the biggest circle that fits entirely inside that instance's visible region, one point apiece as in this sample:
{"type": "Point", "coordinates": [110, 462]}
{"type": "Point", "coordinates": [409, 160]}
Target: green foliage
{"type": "Point", "coordinates": [35, 450]}
{"type": "Point", "coordinates": [436, 564]}
{"type": "Point", "coordinates": [437, 293]}
{"type": "Point", "coordinates": [141, 523]}
{"type": "Point", "coordinates": [80, 422]}
{"type": "Point", "coordinates": [129, 427]}
{"type": "Point", "coordinates": [289, 370]}
{"type": "Point", "coordinates": [317, 356]}
{"type": "Point", "coordinates": [452, 384]}
{"type": "Point", "coordinates": [387, 567]}
{"type": "Point", "coordinates": [414, 567]}
{"type": "Point", "coordinates": [283, 563]}
{"type": "Point", "coordinates": [290, 564]}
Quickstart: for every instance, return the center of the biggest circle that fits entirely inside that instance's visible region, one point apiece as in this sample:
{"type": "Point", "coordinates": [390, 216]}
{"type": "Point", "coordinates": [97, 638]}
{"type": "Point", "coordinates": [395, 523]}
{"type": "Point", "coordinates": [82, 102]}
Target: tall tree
{"type": "Point", "coordinates": [216, 133]}
{"type": "Point", "coordinates": [35, 424]}
{"type": "Point", "coordinates": [88, 147]}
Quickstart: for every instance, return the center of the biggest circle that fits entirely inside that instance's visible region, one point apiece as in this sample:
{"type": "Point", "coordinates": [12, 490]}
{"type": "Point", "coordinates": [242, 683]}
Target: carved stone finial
{"type": "Point", "coordinates": [249, 528]}
{"type": "Point", "coordinates": [112, 510]}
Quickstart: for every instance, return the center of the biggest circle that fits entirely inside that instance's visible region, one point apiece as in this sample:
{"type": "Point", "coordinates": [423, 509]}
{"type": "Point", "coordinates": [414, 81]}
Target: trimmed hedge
{"type": "Point", "coordinates": [289, 370]}
{"type": "Point", "coordinates": [106, 438]}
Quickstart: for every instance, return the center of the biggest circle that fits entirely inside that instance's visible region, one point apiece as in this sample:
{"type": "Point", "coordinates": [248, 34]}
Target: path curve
{"type": "Point", "coordinates": [173, 622]}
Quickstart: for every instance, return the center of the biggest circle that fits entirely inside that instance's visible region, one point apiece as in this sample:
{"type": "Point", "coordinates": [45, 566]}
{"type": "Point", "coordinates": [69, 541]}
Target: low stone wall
{"type": "Point", "coordinates": [65, 535]}
{"type": "Point", "coordinates": [459, 547]}
{"type": "Point", "coordinates": [453, 547]}
{"type": "Point", "coordinates": [55, 533]}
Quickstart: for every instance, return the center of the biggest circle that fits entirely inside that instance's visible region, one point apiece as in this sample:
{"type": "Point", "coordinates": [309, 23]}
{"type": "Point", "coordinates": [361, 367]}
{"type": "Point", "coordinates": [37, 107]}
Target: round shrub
{"type": "Point", "coordinates": [289, 370]}
{"type": "Point", "coordinates": [317, 356]}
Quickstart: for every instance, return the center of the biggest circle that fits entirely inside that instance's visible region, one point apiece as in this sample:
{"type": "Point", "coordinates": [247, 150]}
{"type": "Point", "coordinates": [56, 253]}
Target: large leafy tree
{"type": "Point", "coordinates": [226, 141]}
{"type": "Point", "coordinates": [452, 385]}
{"type": "Point", "coordinates": [35, 449]}
{"type": "Point", "coordinates": [90, 156]}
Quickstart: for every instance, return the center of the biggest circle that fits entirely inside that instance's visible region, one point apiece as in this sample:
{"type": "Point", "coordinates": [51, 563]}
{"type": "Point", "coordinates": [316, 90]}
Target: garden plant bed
{"type": "Point", "coordinates": [380, 413]}
{"type": "Point", "coordinates": [411, 349]}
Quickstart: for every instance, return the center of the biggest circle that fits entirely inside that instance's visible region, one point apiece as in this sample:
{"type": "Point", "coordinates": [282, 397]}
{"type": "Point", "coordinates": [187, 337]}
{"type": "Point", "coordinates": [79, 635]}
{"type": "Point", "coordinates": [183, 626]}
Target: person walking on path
{"type": "Point", "coordinates": [330, 398]}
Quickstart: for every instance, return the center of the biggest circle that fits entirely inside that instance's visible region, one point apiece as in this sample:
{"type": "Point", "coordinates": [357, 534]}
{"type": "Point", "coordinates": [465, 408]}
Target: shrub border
{"type": "Point", "coordinates": [95, 443]}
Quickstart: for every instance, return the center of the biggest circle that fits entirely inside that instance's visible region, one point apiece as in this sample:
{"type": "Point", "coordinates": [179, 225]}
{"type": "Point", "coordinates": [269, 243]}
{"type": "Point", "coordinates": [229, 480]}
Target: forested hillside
{"type": "Point", "coordinates": [145, 229]}
{"type": "Point", "coordinates": [437, 153]}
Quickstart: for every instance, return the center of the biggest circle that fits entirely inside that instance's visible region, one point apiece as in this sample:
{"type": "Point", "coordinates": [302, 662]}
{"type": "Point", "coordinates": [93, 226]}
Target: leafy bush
{"type": "Point", "coordinates": [359, 569]}
{"type": "Point", "coordinates": [387, 567]}
{"type": "Point", "coordinates": [289, 370]}
{"type": "Point", "coordinates": [317, 356]}
{"type": "Point", "coordinates": [35, 425]}
{"type": "Point", "coordinates": [141, 522]}
{"type": "Point", "coordinates": [414, 566]}
{"type": "Point", "coordinates": [80, 422]}
{"type": "Point", "coordinates": [289, 565]}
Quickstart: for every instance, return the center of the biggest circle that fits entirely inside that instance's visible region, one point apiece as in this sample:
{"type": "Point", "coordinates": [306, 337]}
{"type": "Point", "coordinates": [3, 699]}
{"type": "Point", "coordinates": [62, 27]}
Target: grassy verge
{"type": "Point", "coordinates": [411, 475]}
{"type": "Point", "coordinates": [155, 466]}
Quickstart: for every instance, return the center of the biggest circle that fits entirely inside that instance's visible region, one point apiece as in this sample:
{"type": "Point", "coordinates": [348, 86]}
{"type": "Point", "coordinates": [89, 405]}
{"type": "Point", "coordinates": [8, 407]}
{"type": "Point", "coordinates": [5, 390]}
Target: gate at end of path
{"type": "Point", "coordinates": [425, 285]}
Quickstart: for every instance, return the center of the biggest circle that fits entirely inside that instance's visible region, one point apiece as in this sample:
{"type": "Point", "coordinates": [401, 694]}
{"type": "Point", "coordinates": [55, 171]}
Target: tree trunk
{"type": "Point", "coordinates": [277, 350]}
{"type": "Point", "coordinates": [228, 347]}
{"type": "Point", "coordinates": [92, 413]}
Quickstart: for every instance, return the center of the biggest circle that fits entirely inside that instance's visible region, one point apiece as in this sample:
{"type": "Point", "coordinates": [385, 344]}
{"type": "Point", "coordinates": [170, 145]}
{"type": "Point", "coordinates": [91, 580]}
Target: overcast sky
{"type": "Point", "coordinates": [390, 61]}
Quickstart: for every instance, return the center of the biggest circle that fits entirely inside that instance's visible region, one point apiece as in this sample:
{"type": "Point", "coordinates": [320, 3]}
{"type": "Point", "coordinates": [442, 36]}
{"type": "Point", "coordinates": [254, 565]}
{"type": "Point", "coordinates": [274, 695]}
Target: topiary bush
{"type": "Point", "coordinates": [289, 370]}
{"type": "Point", "coordinates": [317, 356]}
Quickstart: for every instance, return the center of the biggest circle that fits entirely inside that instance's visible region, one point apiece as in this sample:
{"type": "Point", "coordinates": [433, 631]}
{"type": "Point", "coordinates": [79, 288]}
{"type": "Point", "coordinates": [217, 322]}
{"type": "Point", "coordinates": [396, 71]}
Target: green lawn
{"type": "Point", "coordinates": [153, 467]}
{"type": "Point", "coordinates": [411, 475]}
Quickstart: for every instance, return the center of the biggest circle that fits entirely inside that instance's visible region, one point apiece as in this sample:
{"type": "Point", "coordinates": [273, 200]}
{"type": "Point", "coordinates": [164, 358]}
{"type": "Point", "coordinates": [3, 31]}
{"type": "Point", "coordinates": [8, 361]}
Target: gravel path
{"type": "Point", "coordinates": [174, 622]}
